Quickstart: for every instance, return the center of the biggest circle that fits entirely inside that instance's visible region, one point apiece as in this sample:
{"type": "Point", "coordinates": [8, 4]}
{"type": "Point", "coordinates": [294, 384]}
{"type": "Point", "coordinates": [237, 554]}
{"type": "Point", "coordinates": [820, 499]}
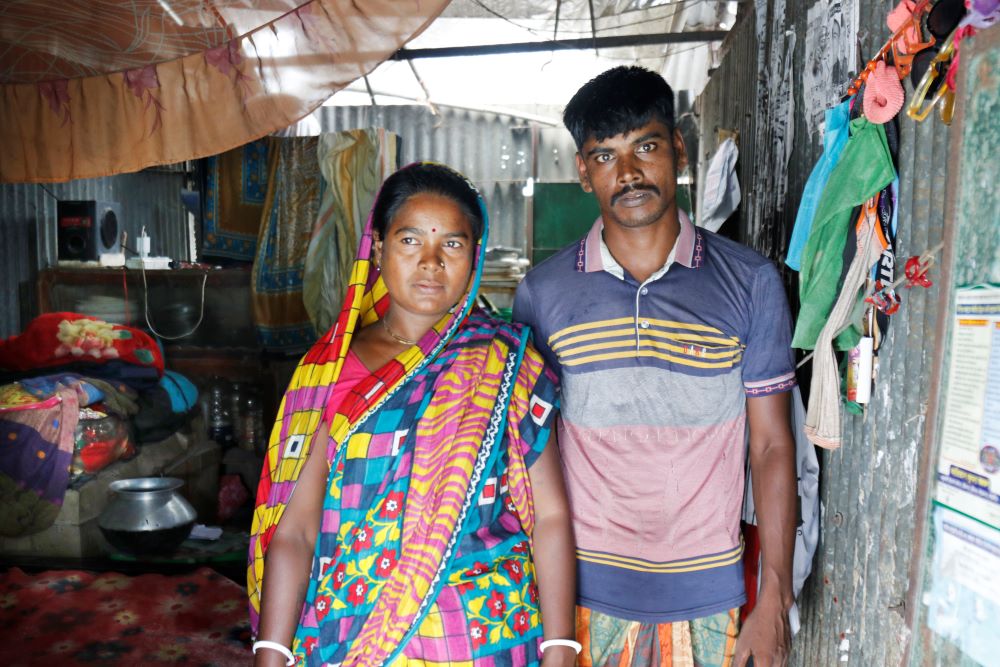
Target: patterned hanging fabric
{"type": "Point", "coordinates": [353, 163]}
{"type": "Point", "coordinates": [290, 210]}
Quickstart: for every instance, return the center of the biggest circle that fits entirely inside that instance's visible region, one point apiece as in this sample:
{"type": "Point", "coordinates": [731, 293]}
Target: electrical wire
{"type": "Point", "coordinates": [145, 300]}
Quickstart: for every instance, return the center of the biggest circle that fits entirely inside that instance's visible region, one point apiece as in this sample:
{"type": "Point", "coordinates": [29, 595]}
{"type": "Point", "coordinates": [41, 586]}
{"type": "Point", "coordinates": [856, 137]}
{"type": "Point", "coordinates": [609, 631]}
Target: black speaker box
{"type": "Point", "coordinates": [88, 229]}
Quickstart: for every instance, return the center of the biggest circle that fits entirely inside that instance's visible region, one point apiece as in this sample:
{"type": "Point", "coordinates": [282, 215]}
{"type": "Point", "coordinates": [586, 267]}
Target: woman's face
{"type": "Point", "coordinates": [426, 256]}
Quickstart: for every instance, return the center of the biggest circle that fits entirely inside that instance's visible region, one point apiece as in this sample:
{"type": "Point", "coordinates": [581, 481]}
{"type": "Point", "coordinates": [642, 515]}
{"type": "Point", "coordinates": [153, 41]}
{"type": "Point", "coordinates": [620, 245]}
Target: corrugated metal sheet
{"type": "Point", "coordinates": [972, 257]}
{"type": "Point", "coordinates": [494, 151]}
{"type": "Point", "coordinates": [28, 221]}
{"type": "Point", "coordinates": [855, 606]}
{"type": "Point", "coordinates": [724, 104]}
{"type": "Point", "coordinates": [857, 597]}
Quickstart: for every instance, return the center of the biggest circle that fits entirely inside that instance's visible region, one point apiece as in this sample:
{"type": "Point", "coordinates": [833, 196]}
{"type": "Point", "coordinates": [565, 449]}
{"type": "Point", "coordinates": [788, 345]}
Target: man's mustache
{"type": "Point", "coordinates": [633, 188]}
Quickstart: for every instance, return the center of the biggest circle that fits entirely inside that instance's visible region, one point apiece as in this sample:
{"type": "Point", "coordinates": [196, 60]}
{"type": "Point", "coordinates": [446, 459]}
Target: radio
{"type": "Point", "coordinates": [88, 229]}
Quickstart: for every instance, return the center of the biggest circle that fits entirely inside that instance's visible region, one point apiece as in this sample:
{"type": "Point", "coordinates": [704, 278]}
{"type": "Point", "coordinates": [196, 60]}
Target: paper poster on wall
{"type": "Point", "coordinates": [830, 56]}
{"type": "Point", "coordinates": [963, 602]}
{"type": "Point", "coordinates": [968, 471]}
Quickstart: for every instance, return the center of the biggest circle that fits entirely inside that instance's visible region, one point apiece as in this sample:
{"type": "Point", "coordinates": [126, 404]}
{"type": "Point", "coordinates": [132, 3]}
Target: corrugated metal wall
{"type": "Point", "coordinates": [494, 151]}
{"type": "Point", "coordinates": [28, 226]}
{"type": "Point", "coordinates": [855, 606]}
{"type": "Point", "coordinates": [971, 257]}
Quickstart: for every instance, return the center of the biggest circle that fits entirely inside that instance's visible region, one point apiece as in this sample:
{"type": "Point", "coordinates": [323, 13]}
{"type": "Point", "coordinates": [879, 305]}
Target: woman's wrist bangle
{"type": "Point", "coordinates": [275, 646]}
{"type": "Point", "coordinates": [575, 645]}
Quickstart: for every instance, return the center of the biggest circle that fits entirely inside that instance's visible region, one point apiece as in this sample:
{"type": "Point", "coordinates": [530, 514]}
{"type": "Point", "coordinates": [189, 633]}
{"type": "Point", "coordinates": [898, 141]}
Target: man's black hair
{"type": "Point", "coordinates": [430, 178]}
{"type": "Point", "coordinates": [618, 101]}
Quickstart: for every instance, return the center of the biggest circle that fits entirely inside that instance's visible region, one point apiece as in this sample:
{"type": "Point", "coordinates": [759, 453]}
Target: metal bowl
{"type": "Point", "coordinates": [147, 516]}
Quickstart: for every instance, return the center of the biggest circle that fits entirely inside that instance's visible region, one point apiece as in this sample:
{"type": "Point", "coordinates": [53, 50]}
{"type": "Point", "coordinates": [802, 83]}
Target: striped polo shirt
{"type": "Point", "coordinates": [655, 377]}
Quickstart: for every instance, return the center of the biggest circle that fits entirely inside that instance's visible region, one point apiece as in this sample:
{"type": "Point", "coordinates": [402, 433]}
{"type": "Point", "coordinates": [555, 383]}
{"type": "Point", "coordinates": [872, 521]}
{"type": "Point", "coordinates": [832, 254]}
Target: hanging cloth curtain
{"type": "Point", "coordinates": [235, 188]}
{"type": "Point", "coordinates": [291, 207]}
{"type": "Point", "coordinates": [354, 164]}
{"type": "Point", "coordinates": [93, 89]}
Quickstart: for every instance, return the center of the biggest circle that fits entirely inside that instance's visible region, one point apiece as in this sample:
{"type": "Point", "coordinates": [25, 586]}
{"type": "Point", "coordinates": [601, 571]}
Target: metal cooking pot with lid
{"type": "Point", "coordinates": [147, 515]}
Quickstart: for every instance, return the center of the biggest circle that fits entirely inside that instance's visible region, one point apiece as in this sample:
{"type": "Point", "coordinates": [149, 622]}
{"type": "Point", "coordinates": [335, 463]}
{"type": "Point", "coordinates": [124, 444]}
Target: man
{"type": "Point", "coordinates": [669, 341]}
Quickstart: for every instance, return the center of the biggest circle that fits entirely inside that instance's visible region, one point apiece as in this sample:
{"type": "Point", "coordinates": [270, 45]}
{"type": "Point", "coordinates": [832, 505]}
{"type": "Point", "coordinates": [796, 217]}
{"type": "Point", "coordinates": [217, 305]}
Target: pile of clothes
{"type": "Point", "coordinates": [78, 394]}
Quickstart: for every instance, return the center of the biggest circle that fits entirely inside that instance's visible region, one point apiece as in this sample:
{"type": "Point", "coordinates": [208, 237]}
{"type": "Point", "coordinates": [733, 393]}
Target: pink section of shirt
{"type": "Point", "coordinates": [654, 492]}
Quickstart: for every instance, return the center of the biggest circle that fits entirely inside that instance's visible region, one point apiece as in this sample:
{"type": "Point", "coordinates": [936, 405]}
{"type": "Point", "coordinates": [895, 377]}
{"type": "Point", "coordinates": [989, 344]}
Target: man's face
{"type": "Point", "coordinates": [633, 175]}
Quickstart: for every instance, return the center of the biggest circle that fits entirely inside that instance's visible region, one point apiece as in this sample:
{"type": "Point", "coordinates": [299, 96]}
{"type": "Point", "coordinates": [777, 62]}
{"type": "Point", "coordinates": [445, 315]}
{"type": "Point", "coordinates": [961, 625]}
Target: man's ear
{"type": "Point", "coordinates": [680, 152]}
{"type": "Point", "coordinates": [581, 168]}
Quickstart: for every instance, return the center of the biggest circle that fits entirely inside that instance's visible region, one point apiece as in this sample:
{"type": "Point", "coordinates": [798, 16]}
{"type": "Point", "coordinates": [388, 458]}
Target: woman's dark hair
{"type": "Point", "coordinates": [426, 178]}
{"type": "Point", "coordinates": [617, 101]}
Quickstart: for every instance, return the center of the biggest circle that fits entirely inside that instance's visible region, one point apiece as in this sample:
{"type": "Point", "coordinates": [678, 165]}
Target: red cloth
{"type": "Point", "coordinates": [751, 567]}
{"type": "Point", "coordinates": [74, 618]}
{"type": "Point", "coordinates": [58, 339]}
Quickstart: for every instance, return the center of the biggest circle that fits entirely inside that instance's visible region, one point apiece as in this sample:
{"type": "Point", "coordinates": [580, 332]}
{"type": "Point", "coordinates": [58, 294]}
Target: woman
{"type": "Point", "coordinates": [414, 436]}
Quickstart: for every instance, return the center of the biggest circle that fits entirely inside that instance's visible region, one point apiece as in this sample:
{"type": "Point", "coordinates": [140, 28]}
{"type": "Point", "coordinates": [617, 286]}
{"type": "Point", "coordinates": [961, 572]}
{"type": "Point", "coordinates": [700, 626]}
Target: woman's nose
{"type": "Point", "coordinates": [432, 258]}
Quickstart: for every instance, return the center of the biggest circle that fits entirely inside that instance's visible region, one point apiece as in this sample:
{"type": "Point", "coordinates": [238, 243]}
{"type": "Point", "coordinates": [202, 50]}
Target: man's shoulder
{"type": "Point", "coordinates": [734, 253]}
{"type": "Point", "coordinates": [556, 268]}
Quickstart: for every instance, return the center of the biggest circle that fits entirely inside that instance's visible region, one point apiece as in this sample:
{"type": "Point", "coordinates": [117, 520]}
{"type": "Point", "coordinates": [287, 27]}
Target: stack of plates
{"type": "Point", "coordinates": [107, 308]}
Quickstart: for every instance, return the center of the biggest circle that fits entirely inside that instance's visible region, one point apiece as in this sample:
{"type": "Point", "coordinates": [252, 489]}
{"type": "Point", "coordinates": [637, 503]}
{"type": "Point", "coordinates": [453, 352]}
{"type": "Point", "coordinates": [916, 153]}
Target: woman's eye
{"type": "Point", "coordinates": [453, 244]}
{"type": "Point", "coordinates": [407, 240]}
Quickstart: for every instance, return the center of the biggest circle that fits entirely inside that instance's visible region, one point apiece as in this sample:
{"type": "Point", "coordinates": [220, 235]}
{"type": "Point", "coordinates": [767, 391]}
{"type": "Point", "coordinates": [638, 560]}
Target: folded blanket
{"type": "Point", "coordinates": [36, 452]}
{"type": "Point", "coordinates": [62, 339]}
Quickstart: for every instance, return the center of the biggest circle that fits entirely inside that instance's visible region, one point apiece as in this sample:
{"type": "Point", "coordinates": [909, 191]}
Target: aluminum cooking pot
{"type": "Point", "coordinates": [147, 516]}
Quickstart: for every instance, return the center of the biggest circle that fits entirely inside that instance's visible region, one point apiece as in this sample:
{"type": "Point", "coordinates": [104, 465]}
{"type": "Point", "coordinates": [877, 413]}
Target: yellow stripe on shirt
{"type": "Point", "coordinates": [686, 361]}
{"type": "Point", "coordinates": [639, 565]}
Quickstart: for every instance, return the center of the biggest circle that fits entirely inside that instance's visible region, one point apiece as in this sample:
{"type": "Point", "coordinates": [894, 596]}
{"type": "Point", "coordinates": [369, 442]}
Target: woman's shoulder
{"type": "Point", "coordinates": [488, 324]}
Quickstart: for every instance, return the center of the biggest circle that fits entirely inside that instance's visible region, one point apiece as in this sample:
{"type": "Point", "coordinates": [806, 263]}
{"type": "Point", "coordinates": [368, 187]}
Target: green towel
{"type": "Point", "coordinates": [865, 167]}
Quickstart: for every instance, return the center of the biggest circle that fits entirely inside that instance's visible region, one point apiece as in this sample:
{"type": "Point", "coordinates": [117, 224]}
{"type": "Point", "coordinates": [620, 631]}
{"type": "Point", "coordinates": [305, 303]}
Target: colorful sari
{"type": "Point", "coordinates": [423, 555]}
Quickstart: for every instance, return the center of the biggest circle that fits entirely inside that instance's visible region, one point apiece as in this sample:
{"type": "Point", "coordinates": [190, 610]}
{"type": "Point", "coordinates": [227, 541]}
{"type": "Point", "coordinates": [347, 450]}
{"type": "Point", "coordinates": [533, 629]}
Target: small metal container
{"type": "Point", "coordinates": [147, 516]}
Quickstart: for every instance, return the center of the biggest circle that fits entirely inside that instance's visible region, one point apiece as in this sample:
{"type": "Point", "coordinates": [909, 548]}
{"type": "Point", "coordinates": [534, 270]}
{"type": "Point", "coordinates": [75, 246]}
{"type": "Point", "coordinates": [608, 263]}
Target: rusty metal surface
{"type": "Point", "coordinates": [859, 605]}
{"type": "Point", "coordinates": [972, 256]}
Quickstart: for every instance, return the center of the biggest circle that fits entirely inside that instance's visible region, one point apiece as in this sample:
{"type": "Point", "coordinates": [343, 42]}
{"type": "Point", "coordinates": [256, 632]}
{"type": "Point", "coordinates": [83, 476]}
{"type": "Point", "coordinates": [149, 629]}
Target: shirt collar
{"type": "Point", "coordinates": [594, 254]}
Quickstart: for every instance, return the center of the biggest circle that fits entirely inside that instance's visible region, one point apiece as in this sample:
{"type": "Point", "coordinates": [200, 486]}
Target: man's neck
{"type": "Point", "coordinates": [642, 251]}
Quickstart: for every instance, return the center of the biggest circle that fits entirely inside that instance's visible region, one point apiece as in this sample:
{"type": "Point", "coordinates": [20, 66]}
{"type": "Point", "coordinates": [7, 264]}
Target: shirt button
{"type": "Point", "coordinates": [644, 324]}
{"type": "Point", "coordinates": [644, 291]}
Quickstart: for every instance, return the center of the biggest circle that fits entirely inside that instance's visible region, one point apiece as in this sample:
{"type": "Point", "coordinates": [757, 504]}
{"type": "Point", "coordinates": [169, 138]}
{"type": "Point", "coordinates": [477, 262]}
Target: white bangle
{"type": "Point", "coordinates": [275, 646]}
{"type": "Point", "coordinates": [575, 645]}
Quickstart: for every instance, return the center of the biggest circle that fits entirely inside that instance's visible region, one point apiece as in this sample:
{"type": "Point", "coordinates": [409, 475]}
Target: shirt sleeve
{"type": "Point", "coordinates": [524, 312]}
{"type": "Point", "coordinates": [533, 407]}
{"type": "Point", "coordinates": [768, 362]}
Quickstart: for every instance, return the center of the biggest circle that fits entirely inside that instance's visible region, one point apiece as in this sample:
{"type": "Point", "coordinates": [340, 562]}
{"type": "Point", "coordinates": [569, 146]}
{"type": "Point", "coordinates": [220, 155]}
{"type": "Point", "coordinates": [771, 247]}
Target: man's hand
{"type": "Point", "coordinates": [765, 635]}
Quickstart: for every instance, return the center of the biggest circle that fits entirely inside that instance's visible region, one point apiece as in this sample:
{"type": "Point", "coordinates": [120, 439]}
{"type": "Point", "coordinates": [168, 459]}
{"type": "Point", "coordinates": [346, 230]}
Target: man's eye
{"type": "Point", "coordinates": [602, 157]}
{"type": "Point", "coordinates": [646, 148]}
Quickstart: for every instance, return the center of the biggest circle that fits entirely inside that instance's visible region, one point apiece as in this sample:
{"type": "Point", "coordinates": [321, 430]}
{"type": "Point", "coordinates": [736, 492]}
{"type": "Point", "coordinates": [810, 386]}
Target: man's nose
{"type": "Point", "coordinates": [628, 170]}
